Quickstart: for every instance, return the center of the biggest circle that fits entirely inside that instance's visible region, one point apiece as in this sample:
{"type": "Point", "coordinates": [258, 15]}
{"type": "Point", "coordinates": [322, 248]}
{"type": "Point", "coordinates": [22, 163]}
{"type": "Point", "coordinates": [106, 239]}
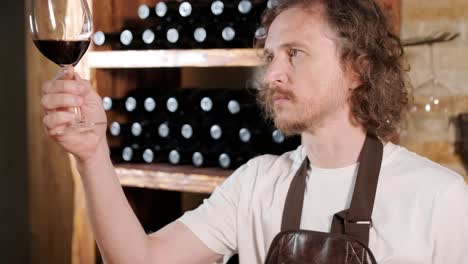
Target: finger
{"type": "Point", "coordinates": [58, 119]}
{"type": "Point", "coordinates": [65, 73]}
{"type": "Point", "coordinates": [60, 130]}
{"type": "Point", "coordinates": [54, 101]}
{"type": "Point", "coordinates": [60, 86]}
{"type": "Point", "coordinates": [76, 76]}
{"type": "Point", "coordinates": [60, 109]}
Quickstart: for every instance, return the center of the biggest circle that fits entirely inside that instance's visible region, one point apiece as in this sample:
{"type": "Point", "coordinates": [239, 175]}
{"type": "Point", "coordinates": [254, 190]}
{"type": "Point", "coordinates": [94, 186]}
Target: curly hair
{"type": "Point", "coordinates": [374, 53]}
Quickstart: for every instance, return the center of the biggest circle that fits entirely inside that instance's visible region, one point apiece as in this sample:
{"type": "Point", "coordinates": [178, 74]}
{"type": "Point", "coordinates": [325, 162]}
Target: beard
{"type": "Point", "coordinates": [299, 115]}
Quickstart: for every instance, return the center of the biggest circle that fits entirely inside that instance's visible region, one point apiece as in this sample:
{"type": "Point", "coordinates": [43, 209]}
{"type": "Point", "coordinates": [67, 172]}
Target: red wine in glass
{"type": "Point", "coordinates": [61, 31]}
{"type": "Point", "coordinates": [63, 52]}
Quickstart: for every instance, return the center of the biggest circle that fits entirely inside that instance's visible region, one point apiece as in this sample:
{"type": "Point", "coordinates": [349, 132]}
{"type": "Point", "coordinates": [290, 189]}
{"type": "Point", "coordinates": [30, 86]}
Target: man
{"type": "Point", "coordinates": [333, 74]}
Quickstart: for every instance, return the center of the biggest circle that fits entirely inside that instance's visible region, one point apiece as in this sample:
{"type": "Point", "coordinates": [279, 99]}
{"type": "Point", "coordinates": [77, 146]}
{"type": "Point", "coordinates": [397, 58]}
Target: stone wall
{"type": "Point", "coordinates": [451, 66]}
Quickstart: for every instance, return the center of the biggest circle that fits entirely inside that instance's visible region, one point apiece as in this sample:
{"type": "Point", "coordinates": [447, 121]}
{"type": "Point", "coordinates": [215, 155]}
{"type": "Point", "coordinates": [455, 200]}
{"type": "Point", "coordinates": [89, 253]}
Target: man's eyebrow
{"type": "Point", "coordinates": [297, 44]}
{"type": "Point", "coordinates": [267, 52]}
{"type": "Point", "coordinates": [287, 45]}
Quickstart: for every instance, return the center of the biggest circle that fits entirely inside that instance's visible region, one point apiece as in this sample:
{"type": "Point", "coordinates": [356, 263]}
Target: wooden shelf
{"type": "Point", "coordinates": [174, 58]}
{"type": "Point", "coordinates": [168, 177]}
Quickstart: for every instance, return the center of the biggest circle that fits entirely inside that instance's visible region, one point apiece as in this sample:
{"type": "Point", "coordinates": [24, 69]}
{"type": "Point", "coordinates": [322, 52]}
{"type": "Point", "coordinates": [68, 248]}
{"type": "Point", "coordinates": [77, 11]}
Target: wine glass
{"type": "Point", "coordinates": [431, 109]}
{"type": "Point", "coordinates": [61, 31]}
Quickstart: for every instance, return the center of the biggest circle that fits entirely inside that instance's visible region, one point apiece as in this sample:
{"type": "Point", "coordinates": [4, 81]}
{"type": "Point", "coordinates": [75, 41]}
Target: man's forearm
{"type": "Point", "coordinates": [119, 234]}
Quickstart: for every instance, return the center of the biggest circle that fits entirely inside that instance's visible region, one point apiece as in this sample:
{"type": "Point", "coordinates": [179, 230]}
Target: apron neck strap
{"type": "Point", "coordinates": [354, 221]}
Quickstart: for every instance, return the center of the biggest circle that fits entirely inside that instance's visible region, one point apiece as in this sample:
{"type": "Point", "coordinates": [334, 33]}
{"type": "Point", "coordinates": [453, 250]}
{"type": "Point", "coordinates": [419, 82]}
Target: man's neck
{"type": "Point", "coordinates": [335, 144]}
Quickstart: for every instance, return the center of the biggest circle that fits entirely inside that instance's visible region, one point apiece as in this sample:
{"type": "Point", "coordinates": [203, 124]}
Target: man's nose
{"type": "Point", "coordinates": [275, 74]}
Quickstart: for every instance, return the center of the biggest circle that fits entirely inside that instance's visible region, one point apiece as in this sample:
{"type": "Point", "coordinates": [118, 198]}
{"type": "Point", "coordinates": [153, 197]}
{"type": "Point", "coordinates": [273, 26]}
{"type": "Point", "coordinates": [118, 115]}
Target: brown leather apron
{"type": "Point", "coordinates": [347, 243]}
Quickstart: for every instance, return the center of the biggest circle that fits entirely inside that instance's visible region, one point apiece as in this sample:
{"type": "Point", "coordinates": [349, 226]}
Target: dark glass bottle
{"type": "Point", "coordinates": [126, 39]}
{"type": "Point", "coordinates": [172, 106]}
{"type": "Point", "coordinates": [164, 132]}
{"type": "Point", "coordinates": [280, 143]}
{"type": "Point", "coordinates": [126, 104]}
{"type": "Point", "coordinates": [131, 153]}
{"type": "Point", "coordinates": [235, 104]}
{"type": "Point", "coordinates": [145, 12]}
{"type": "Point", "coordinates": [204, 158]}
{"type": "Point", "coordinates": [231, 159]}
{"type": "Point", "coordinates": [167, 10]}
{"type": "Point", "coordinates": [180, 156]}
{"type": "Point", "coordinates": [157, 153]}
{"type": "Point", "coordinates": [151, 38]}
{"type": "Point", "coordinates": [199, 131]}
{"type": "Point", "coordinates": [116, 40]}
{"type": "Point", "coordinates": [117, 129]}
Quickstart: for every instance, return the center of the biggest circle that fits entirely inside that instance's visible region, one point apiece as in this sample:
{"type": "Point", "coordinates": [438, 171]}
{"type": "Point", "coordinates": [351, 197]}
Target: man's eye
{"type": "Point", "coordinates": [293, 52]}
{"type": "Point", "coordinates": [268, 58]}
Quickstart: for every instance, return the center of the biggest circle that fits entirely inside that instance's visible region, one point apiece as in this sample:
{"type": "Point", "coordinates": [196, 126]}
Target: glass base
{"type": "Point", "coordinates": [80, 127]}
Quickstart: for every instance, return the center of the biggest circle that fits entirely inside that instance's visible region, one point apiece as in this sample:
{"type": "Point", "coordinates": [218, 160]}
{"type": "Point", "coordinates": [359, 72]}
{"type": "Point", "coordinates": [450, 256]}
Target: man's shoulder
{"type": "Point", "coordinates": [409, 166]}
{"type": "Point", "coordinates": [270, 166]}
{"type": "Point", "coordinates": [285, 160]}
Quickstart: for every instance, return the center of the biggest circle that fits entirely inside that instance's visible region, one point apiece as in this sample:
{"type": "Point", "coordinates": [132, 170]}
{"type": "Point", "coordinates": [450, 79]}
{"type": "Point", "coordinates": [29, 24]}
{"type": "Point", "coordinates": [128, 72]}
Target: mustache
{"type": "Point", "coordinates": [271, 92]}
{"type": "Point", "coordinates": [265, 99]}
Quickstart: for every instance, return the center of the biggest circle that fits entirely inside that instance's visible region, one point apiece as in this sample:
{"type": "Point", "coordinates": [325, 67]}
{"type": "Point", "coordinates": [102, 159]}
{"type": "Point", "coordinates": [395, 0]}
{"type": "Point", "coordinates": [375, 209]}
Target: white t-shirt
{"type": "Point", "coordinates": [420, 212]}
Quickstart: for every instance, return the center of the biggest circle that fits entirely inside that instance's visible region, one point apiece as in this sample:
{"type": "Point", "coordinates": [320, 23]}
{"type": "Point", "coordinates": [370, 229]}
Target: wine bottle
{"type": "Point", "coordinates": [144, 12]}
{"type": "Point", "coordinates": [199, 131]}
{"type": "Point", "coordinates": [126, 38]}
{"type": "Point", "coordinates": [235, 104]}
{"type": "Point", "coordinates": [132, 153]}
{"type": "Point", "coordinates": [200, 37]}
{"type": "Point", "coordinates": [161, 106]}
{"type": "Point", "coordinates": [185, 9]}
{"type": "Point", "coordinates": [216, 132]}
{"type": "Point", "coordinates": [114, 40]}
{"type": "Point", "coordinates": [245, 8]}
{"type": "Point", "coordinates": [252, 137]}
{"type": "Point", "coordinates": [167, 10]}
{"type": "Point", "coordinates": [204, 158]}
{"type": "Point", "coordinates": [217, 9]}
{"type": "Point", "coordinates": [197, 101]}
{"type": "Point", "coordinates": [272, 4]}
{"type": "Point", "coordinates": [180, 156]}
{"type": "Point", "coordinates": [148, 155]}
{"type": "Point", "coordinates": [250, 11]}
{"type": "Point", "coordinates": [172, 106]}
{"type": "Point", "coordinates": [280, 143]}
{"type": "Point", "coordinates": [230, 159]}
{"type": "Point", "coordinates": [150, 104]}
{"type": "Point", "coordinates": [164, 131]}
{"type": "Point", "coordinates": [175, 11]}
{"type": "Point", "coordinates": [201, 33]}
{"type": "Point", "coordinates": [127, 104]}
{"type": "Point", "coordinates": [173, 35]}
{"type": "Point", "coordinates": [235, 35]}
{"type": "Point", "coordinates": [100, 38]}
{"type": "Point", "coordinates": [186, 134]}
{"type": "Point", "coordinates": [223, 10]}
{"type": "Point", "coordinates": [149, 131]}
{"type": "Point", "coordinates": [117, 129]}
{"type": "Point", "coordinates": [228, 36]}
{"type": "Point", "coordinates": [155, 154]}
{"type": "Point", "coordinates": [134, 102]}
{"type": "Point", "coordinates": [260, 33]}
{"type": "Point", "coordinates": [148, 38]}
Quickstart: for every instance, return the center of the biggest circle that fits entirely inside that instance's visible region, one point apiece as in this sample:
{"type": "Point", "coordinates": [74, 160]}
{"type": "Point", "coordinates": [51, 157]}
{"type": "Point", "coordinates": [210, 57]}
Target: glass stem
{"type": "Point", "coordinates": [431, 62]}
{"type": "Point", "coordinates": [77, 111]}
